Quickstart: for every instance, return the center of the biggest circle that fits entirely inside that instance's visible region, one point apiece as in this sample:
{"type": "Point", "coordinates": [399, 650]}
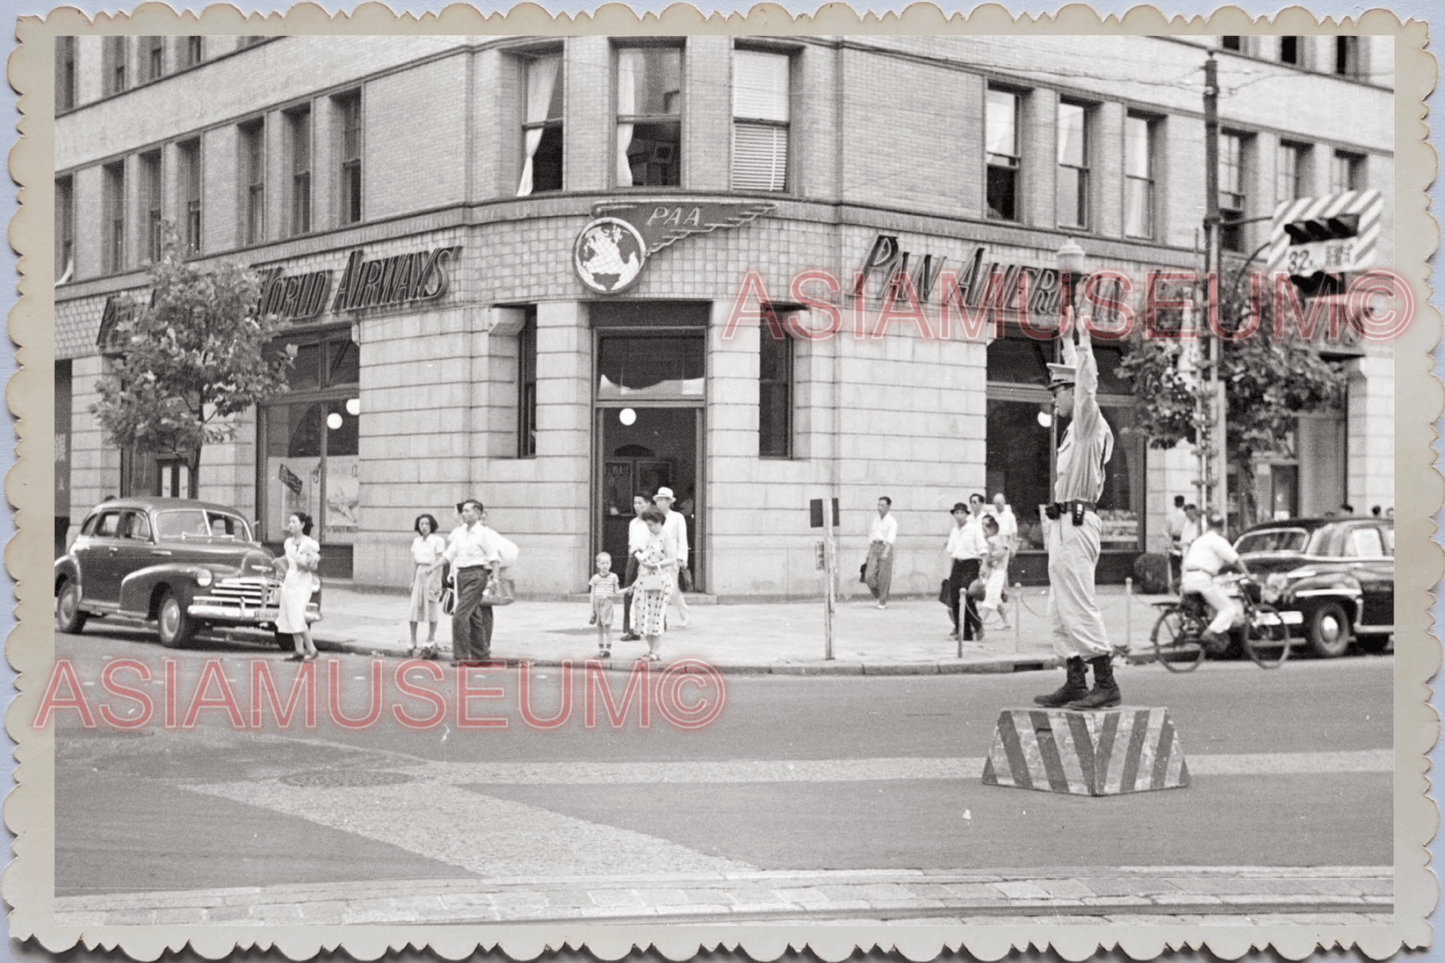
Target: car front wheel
{"type": "Point", "coordinates": [175, 624]}
{"type": "Point", "coordinates": [68, 616]}
{"type": "Point", "coordinates": [1329, 630]}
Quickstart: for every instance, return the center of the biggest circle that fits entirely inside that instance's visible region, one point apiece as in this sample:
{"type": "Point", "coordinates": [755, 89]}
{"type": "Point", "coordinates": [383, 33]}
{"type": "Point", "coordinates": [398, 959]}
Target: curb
{"type": "Point", "coordinates": [1004, 665]}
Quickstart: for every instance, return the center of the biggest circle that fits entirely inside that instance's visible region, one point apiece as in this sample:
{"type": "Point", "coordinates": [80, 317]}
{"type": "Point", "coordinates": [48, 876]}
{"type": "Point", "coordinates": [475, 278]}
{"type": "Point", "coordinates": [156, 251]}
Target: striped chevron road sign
{"type": "Point", "coordinates": [1334, 234]}
{"type": "Point", "coordinates": [1101, 753]}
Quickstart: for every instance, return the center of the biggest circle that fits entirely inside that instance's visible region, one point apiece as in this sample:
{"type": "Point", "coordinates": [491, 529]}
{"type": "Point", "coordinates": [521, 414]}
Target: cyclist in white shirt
{"type": "Point", "coordinates": [1207, 556]}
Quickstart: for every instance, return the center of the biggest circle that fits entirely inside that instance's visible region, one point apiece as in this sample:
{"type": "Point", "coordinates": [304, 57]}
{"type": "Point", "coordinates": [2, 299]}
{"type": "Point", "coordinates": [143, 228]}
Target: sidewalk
{"type": "Point", "coordinates": [909, 637]}
{"type": "Point", "coordinates": [1200, 895]}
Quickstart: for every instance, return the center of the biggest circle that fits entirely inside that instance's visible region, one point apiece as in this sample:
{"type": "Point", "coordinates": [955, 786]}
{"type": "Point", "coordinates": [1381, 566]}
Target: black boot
{"type": "Point", "coordinates": [1105, 692]}
{"type": "Point", "coordinates": [1076, 686]}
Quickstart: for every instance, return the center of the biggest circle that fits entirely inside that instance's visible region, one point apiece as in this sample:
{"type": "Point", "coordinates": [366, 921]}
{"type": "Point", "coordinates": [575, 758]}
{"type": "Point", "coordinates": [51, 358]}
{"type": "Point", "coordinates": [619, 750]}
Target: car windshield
{"type": "Point", "coordinates": [201, 523]}
{"type": "Point", "coordinates": [1271, 540]}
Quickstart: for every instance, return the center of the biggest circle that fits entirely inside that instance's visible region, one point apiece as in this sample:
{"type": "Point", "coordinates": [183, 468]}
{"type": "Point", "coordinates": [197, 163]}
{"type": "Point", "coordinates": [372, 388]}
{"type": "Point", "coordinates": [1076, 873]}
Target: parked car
{"type": "Point", "coordinates": [1338, 572]}
{"type": "Point", "coordinates": [184, 565]}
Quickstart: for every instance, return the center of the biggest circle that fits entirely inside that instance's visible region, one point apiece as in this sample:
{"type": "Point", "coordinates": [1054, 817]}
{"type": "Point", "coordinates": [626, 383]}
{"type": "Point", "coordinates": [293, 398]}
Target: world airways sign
{"type": "Point", "coordinates": [391, 281]}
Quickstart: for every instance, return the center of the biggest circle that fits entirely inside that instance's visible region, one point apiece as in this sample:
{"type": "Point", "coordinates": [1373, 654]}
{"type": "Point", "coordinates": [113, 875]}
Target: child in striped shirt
{"type": "Point", "coordinates": [604, 589]}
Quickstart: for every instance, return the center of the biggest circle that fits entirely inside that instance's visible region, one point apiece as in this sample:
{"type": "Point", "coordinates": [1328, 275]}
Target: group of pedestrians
{"type": "Point", "coordinates": [982, 542]}
{"type": "Point", "coordinates": [473, 555]}
{"type": "Point", "coordinates": [657, 567]}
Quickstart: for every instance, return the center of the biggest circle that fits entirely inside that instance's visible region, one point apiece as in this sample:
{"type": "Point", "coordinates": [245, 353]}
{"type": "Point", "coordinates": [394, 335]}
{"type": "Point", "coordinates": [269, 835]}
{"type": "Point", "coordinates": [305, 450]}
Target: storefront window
{"type": "Point", "coordinates": [310, 443]}
{"type": "Point", "coordinates": [650, 367]}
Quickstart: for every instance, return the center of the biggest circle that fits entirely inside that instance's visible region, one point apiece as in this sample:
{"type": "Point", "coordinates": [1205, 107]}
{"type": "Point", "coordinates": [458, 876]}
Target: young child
{"type": "Point", "coordinates": [604, 588]}
{"type": "Point", "coordinates": [994, 571]}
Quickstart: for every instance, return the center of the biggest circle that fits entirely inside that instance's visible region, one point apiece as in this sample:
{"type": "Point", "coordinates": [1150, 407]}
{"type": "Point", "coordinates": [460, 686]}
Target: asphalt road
{"type": "Point", "coordinates": [794, 773]}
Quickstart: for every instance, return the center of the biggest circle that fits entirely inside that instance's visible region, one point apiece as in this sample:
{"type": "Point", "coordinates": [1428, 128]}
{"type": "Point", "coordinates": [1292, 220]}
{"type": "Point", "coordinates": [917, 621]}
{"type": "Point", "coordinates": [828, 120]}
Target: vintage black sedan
{"type": "Point", "coordinates": [1338, 572]}
{"type": "Point", "coordinates": [184, 565]}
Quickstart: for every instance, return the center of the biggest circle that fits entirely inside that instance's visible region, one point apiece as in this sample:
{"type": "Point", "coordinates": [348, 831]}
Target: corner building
{"type": "Point", "coordinates": [553, 272]}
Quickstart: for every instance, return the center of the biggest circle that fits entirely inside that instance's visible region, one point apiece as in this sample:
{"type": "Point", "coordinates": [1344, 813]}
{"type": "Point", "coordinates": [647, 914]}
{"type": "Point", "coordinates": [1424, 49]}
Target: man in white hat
{"type": "Point", "coordinates": [674, 529]}
{"type": "Point", "coordinates": [1072, 530]}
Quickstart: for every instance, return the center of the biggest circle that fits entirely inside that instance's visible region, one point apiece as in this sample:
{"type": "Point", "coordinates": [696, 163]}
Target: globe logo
{"type": "Point", "coordinates": [608, 255]}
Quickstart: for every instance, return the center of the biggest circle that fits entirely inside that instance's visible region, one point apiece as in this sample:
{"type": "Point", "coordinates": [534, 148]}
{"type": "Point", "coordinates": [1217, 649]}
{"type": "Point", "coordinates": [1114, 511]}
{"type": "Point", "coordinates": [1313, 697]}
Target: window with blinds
{"type": "Point", "coordinates": [760, 120]}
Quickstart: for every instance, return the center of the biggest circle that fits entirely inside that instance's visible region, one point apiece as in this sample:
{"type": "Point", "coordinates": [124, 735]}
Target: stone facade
{"type": "Point", "coordinates": [885, 137]}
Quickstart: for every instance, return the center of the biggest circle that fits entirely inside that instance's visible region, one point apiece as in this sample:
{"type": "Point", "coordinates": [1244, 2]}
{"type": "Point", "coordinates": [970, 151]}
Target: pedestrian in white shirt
{"type": "Point", "coordinates": [1008, 526]}
{"type": "Point", "coordinates": [474, 559]}
{"type": "Point", "coordinates": [878, 573]}
{"type": "Point", "coordinates": [1208, 555]}
{"type": "Point", "coordinates": [674, 530]}
{"type": "Point", "coordinates": [637, 535]}
{"type": "Point", "coordinates": [966, 549]}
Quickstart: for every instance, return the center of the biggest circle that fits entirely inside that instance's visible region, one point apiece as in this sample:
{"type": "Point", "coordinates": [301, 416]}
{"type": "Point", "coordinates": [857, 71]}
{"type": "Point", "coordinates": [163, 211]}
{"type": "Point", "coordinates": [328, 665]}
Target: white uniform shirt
{"type": "Point", "coordinates": [471, 547]}
{"type": "Point", "coordinates": [1209, 553]}
{"type": "Point", "coordinates": [884, 529]}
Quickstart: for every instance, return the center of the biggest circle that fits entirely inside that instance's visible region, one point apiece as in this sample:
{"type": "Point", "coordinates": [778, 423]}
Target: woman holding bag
{"type": "Point", "coordinates": [656, 576]}
{"type": "Point", "coordinates": [299, 580]}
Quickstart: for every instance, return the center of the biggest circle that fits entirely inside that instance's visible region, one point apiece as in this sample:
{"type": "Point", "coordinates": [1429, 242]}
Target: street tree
{"type": "Point", "coordinates": [1268, 382]}
{"type": "Point", "coordinates": [189, 359]}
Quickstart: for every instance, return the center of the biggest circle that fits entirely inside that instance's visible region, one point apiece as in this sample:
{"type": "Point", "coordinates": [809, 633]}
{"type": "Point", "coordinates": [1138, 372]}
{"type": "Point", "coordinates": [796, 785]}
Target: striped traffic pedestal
{"type": "Point", "coordinates": [1105, 752]}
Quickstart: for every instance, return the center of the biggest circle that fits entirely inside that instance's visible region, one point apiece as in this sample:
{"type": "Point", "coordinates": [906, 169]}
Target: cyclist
{"type": "Point", "coordinates": [1206, 557]}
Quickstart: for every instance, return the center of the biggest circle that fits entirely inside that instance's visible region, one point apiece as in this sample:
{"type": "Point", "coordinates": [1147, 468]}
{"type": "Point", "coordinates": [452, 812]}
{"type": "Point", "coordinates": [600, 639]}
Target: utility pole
{"type": "Point", "coordinates": [1212, 475]}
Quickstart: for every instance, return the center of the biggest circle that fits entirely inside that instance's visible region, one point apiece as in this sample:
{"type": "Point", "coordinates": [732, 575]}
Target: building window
{"type": "Point", "coordinates": [253, 182]}
{"type": "Point", "coordinates": [114, 207]}
{"type": "Point", "coordinates": [298, 131]}
{"type": "Point", "coordinates": [309, 444]}
{"type": "Point", "coordinates": [527, 387]}
{"type": "Point", "coordinates": [150, 172]}
{"type": "Point", "coordinates": [194, 50]}
{"type": "Point", "coordinates": [1232, 43]}
{"type": "Point", "coordinates": [117, 52]}
{"type": "Point", "coordinates": [760, 120]}
{"type": "Point", "coordinates": [1231, 192]}
{"type": "Point", "coordinates": [649, 118]}
{"type": "Point", "coordinates": [775, 390]}
{"type": "Point", "coordinates": [1293, 171]}
{"type": "Point", "coordinates": [153, 57]}
{"type": "Point", "coordinates": [1001, 140]}
{"type": "Point", "coordinates": [64, 73]}
{"type": "Point", "coordinates": [64, 229]}
{"type": "Point", "coordinates": [1289, 50]}
{"type": "Point", "coordinates": [348, 111]}
{"type": "Point", "coordinates": [542, 126]}
{"type": "Point", "coordinates": [1072, 187]}
{"type": "Point", "coordinates": [1138, 177]}
{"type": "Point", "coordinates": [190, 189]}
{"type": "Point", "coordinates": [1347, 56]}
{"type": "Point", "coordinates": [1347, 172]}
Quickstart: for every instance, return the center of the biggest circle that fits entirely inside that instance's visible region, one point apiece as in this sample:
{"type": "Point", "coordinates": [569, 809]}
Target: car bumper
{"type": "Point", "coordinates": [236, 612]}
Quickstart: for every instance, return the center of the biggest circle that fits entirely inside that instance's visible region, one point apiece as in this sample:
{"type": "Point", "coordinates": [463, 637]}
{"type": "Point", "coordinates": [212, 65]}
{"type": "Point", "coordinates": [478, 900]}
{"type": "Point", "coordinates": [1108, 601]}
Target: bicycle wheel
{"type": "Point", "coordinates": [1266, 637]}
{"type": "Point", "coordinates": [1176, 641]}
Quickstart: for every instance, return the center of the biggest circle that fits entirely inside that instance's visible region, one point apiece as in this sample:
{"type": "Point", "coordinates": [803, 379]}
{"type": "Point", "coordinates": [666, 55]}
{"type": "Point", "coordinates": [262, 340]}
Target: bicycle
{"type": "Point", "coordinates": [1178, 635]}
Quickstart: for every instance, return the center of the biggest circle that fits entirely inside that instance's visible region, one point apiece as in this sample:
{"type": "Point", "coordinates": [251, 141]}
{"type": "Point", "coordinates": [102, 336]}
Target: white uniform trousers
{"type": "Point", "coordinates": [1226, 610]}
{"type": "Point", "coordinates": [1074, 616]}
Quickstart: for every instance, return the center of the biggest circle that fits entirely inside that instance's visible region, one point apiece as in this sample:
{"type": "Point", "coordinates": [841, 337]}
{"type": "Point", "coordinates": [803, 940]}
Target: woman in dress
{"type": "Point", "coordinates": [656, 576]}
{"type": "Point", "coordinates": [299, 565]}
{"type": "Point", "coordinates": [426, 581]}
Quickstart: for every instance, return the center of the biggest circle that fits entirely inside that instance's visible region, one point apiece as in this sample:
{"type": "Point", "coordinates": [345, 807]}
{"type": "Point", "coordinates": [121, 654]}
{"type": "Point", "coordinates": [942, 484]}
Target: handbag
{"type": "Point", "coordinates": [684, 579]}
{"type": "Point", "coordinates": [943, 593]}
{"type": "Point", "coordinates": [652, 581]}
{"type": "Point", "coordinates": [863, 573]}
{"type": "Point", "coordinates": [449, 601]}
{"type": "Point", "coordinates": [977, 590]}
{"type": "Point", "coordinates": [497, 591]}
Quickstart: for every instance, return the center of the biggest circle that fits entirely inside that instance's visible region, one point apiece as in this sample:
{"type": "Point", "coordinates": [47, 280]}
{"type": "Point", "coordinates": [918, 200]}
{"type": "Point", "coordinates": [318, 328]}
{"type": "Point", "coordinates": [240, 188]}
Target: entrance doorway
{"type": "Point", "coordinates": [639, 451]}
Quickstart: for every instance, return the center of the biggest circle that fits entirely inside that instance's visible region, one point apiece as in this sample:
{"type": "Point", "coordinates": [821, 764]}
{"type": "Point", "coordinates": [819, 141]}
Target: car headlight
{"type": "Point", "coordinates": [1274, 587]}
{"type": "Point", "coordinates": [203, 577]}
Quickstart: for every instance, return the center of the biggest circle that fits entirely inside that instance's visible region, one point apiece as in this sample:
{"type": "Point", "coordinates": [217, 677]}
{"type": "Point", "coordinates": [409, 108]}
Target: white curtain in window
{"type": "Point", "coordinates": [629, 63]}
{"type": "Point", "coordinates": [760, 85]}
{"type": "Point", "coordinates": [541, 77]}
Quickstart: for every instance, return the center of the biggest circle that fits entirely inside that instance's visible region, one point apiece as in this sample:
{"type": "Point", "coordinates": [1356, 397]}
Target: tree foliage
{"type": "Point", "coordinates": [189, 359]}
{"type": "Point", "coordinates": [1268, 382]}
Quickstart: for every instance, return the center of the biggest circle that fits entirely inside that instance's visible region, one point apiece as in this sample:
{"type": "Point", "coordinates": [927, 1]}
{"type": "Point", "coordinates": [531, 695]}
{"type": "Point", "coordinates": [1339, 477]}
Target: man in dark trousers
{"type": "Point", "coordinates": [474, 559]}
{"type": "Point", "coordinates": [966, 549]}
{"type": "Point", "coordinates": [1072, 530]}
{"type": "Point", "coordinates": [636, 540]}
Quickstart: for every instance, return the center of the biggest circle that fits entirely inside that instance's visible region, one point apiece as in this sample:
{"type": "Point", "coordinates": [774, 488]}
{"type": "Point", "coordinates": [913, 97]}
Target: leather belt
{"type": "Point", "coordinates": [1064, 508]}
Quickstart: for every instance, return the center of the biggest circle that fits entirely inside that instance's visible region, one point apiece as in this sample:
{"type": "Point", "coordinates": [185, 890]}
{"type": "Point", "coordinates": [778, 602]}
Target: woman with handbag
{"type": "Point", "coordinates": [656, 577]}
{"type": "Point", "coordinates": [426, 582]}
{"type": "Point", "coordinates": [299, 580]}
